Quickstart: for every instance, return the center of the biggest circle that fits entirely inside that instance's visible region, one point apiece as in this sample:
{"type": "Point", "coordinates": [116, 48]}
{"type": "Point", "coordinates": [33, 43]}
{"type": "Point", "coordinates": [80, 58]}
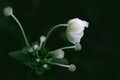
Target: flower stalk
{"type": "Point", "coordinates": [71, 67]}
{"type": "Point", "coordinates": [22, 30]}
{"type": "Point", "coordinates": [68, 47]}
{"type": "Point", "coordinates": [57, 26]}
{"type": "Point", "coordinates": [8, 11]}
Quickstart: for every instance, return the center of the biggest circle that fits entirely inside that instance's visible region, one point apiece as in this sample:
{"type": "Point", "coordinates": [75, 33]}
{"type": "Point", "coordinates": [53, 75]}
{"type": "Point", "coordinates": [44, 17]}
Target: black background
{"type": "Point", "coordinates": [99, 58]}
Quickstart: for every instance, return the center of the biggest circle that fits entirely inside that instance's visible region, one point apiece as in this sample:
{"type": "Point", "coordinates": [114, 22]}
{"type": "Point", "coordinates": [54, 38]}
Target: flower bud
{"type": "Point", "coordinates": [45, 66]}
{"type": "Point", "coordinates": [57, 53]}
{"type": "Point", "coordinates": [8, 11]}
{"type": "Point", "coordinates": [30, 49]}
{"type": "Point", "coordinates": [78, 47]}
{"type": "Point", "coordinates": [38, 60]}
{"type": "Point", "coordinates": [36, 47]}
{"type": "Point", "coordinates": [42, 38]}
{"type": "Point", "coordinates": [72, 67]}
{"type": "Point", "coordinates": [75, 30]}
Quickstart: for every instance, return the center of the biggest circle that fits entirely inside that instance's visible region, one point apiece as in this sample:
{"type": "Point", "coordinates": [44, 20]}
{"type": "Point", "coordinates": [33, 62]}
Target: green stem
{"type": "Point", "coordinates": [68, 47]}
{"type": "Point", "coordinates": [59, 25]}
{"type": "Point", "coordinates": [57, 64]}
{"type": "Point", "coordinates": [22, 30]}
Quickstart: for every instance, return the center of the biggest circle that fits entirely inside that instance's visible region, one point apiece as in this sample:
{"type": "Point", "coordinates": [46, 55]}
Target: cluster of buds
{"type": "Point", "coordinates": [74, 32]}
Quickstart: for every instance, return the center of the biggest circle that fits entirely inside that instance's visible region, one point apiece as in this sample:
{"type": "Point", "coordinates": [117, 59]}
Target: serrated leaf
{"type": "Point", "coordinates": [61, 61]}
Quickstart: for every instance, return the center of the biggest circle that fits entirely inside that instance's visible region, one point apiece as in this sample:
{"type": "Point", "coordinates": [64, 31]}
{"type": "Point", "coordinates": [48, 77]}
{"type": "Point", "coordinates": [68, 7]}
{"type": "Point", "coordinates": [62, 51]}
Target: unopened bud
{"type": "Point", "coordinates": [36, 47]}
{"type": "Point", "coordinates": [57, 53]}
{"type": "Point", "coordinates": [30, 49]}
{"type": "Point", "coordinates": [78, 47]}
{"type": "Point", "coordinates": [8, 11]}
{"type": "Point", "coordinates": [42, 38]}
{"type": "Point", "coordinates": [38, 60]}
{"type": "Point", "coordinates": [45, 66]}
{"type": "Point", "coordinates": [72, 67]}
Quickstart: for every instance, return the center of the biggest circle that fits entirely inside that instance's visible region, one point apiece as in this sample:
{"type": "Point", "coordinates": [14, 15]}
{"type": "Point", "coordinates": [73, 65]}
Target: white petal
{"type": "Point", "coordinates": [74, 37]}
{"type": "Point", "coordinates": [79, 21]}
{"type": "Point", "coordinates": [75, 30]}
{"type": "Point", "coordinates": [57, 53]}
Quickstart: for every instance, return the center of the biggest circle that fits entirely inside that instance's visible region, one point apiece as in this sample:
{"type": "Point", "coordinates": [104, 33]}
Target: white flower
{"type": "Point", "coordinates": [75, 30]}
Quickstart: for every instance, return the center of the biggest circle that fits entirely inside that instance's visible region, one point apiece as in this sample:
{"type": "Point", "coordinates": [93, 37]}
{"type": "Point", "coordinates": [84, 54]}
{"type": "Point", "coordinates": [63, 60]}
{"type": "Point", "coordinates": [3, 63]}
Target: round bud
{"type": "Point", "coordinates": [8, 11]}
{"type": "Point", "coordinates": [30, 49]}
{"type": "Point", "coordinates": [45, 66]}
{"type": "Point", "coordinates": [42, 38]}
{"type": "Point", "coordinates": [78, 47]}
{"type": "Point", "coordinates": [57, 53]}
{"type": "Point", "coordinates": [72, 67]}
{"type": "Point", "coordinates": [38, 60]}
{"type": "Point", "coordinates": [36, 47]}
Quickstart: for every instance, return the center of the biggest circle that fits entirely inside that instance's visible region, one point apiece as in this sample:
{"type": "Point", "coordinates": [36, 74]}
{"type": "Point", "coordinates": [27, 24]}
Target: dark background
{"type": "Point", "coordinates": [99, 58]}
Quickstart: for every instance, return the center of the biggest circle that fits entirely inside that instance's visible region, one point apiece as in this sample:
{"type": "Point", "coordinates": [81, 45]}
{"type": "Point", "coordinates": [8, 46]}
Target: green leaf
{"type": "Point", "coordinates": [61, 61]}
{"type": "Point", "coordinates": [44, 52]}
{"type": "Point", "coordinates": [29, 60]}
{"type": "Point", "coordinates": [20, 55]}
